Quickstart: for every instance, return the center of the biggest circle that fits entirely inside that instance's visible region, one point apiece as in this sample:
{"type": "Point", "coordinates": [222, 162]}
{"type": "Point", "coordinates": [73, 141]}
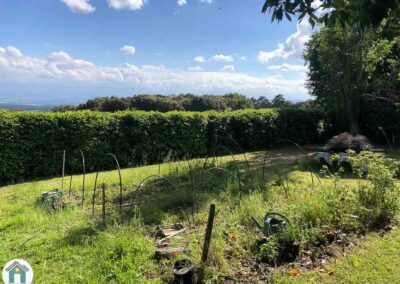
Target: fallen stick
{"type": "Point", "coordinates": [170, 236]}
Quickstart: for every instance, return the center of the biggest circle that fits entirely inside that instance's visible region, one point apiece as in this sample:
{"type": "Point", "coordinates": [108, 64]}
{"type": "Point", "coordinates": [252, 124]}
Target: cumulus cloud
{"type": "Point", "coordinates": [195, 69]}
{"type": "Point", "coordinates": [126, 4]}
{"type": "Point", "coordinates": [222, 58]}
{"type": "Point", "coordinates": [206, 1]}
{"type": "Point", "coordinates": [287, 67]}
{"type": "Point", "coordinates": [62, 68]}
{"type": "Point", "coordinates": [293, 45]}
{"type": "Point", "coordinates": [57, 65]}
{"type": "Point", "coordinates": [128, 50]}
{"type": "Point", "coordinates": [243, 58]}
{"type": "Point", "coordinates": [79, 6]}
{"type": "Point", "coordinates": [228, 68]}
{"type": "Point", "coordinates": [199, 59]}
{"type": "Point", "coordinates": [181, 2]}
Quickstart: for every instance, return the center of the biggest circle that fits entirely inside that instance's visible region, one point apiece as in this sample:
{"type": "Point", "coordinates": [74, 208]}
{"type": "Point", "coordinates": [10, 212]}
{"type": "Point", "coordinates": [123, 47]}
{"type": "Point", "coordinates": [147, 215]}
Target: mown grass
{"type": "Point", "coordinates": [72, 247]}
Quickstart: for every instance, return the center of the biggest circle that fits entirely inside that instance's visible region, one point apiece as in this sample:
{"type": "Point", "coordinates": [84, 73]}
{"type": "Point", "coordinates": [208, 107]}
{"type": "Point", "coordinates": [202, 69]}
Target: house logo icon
{"type": "Point", "coordinates": [17, 271]}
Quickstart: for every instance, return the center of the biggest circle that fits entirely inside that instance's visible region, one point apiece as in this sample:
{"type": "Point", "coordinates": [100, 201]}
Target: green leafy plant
{"type": "Point", "coordinates": [377, 191]}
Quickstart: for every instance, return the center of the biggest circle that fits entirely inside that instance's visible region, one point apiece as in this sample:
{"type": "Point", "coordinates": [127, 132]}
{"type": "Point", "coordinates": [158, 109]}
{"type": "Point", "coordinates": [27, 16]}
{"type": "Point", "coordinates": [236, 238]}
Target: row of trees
{"type": "Point", "coordinates": [184, 102]}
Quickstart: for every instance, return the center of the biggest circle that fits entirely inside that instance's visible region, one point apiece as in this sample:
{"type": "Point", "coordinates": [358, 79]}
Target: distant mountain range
{"type": "Point", "coordinates": [12, 106]}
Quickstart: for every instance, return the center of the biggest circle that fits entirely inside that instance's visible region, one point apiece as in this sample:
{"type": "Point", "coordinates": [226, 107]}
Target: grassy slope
{"type": "Point", "coordinates": [68, 247]}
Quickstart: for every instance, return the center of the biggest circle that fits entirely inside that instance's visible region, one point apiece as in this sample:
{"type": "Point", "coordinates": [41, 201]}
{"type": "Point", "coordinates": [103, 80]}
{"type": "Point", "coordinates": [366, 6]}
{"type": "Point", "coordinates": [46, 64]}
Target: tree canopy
{"type": "Point", "coordinates": [348, 68]}
{"type": "Point", "coordinates": [183, 102]}
{"type": "Point", "coordinates": [355, 13]}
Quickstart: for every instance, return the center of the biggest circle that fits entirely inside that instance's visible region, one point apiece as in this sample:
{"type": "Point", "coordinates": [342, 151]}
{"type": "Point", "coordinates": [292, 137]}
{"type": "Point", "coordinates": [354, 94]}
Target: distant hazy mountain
{"type": "Point", "coordinates": [12, 106]}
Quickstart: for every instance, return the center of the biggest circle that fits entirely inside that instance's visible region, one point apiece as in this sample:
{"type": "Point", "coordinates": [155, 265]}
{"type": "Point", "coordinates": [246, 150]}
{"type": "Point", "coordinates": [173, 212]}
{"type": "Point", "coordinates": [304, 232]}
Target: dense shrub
{"type": "Point", "coordinates": [32, 142]}
{"type": "Point", "coordinates": [345, 141]}
{"type": "Point", "coordinates": [378, 194]}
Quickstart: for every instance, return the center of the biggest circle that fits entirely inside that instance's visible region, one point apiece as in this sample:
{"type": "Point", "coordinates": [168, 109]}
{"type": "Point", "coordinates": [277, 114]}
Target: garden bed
{"type": "Point", "coordinates": [325, 210]}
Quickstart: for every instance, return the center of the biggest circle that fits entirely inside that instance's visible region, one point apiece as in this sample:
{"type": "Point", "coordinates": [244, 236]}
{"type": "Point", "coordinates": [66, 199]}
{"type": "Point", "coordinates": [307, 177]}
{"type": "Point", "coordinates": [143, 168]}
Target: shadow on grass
{"type": "Point", "coordinates": [192, 189]}
{"type": "Point", "coordinates": [83, 236]}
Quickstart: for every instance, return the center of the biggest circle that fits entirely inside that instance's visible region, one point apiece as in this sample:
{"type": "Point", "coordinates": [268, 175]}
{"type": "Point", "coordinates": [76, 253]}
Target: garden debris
{"type": "Point", "coordinates": [229, 280]}
{"type": "Point", "coordinates": [164, 239]}
{"type": "Point", "coordinates": [52, 200]}
{"type": "Point", "coordinates": [324, 269]}
{"type": "Point", "coordinates": [184, 271]}
{"type": "Point", "coordinates": [166, 232]}
{"type": "Point", "coordinates": [169, 252]}
{"type": "Point", "coordinates": [294, 272]}
{"type": "Point", "coordinates": [171, 233]}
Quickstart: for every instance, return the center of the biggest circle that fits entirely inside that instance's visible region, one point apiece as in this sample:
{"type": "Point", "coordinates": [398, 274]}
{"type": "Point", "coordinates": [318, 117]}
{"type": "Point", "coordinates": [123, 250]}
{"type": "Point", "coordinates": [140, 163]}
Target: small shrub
{"type": "Point", "coordinates": [345, 141]}
{"type": "Point", "coordinates": [378, 195]}
{"type": "Point", "coordinates": [281, 247]}
{"type": "Point", "coordinates": [269, 251]}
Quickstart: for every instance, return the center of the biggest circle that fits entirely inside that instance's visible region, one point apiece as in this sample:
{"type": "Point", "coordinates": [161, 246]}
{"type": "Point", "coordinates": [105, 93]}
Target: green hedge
{"type": "Point", "coordinates": [31, 143]}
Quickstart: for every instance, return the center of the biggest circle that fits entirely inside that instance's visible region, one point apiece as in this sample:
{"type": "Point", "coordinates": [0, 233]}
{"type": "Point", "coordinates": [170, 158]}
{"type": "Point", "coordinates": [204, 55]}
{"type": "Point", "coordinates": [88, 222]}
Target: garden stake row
{"type": "Point", "coordinates": [120, 184]}
{"type": "Point", "coordinates": [231, 153]}
{"type": "Point", "coordinates": [70, 181]}
{"type": "Point", "coordinates": [103, 201]}
{"type": "Point", "coordinates": [222, 170]}
{"type": "Point", "coordinates": [120, 180]}
{"type": "Point", "coordinates": [238, 146]}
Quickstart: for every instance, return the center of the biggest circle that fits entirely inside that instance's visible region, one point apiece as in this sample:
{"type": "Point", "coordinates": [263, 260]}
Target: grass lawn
{"type": "Point", "coordinates": [72, 246]}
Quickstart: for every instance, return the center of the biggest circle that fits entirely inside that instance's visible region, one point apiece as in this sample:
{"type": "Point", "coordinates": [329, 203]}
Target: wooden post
{"type": "Point", "coordinates": [207, 238]}
{"type": "Point", "coordinates": [104, 202]}
{"type": "Point", "coordinates": [63, 172]}
{"type": "Point", "coordinates": [83, 178]}
{"type": "Point", "coordinates": [70, 186]}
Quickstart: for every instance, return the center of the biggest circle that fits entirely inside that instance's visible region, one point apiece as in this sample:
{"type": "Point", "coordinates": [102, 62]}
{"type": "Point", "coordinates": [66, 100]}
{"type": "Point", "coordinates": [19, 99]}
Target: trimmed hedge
{"type": "Point", "coordinates": [31, 143]}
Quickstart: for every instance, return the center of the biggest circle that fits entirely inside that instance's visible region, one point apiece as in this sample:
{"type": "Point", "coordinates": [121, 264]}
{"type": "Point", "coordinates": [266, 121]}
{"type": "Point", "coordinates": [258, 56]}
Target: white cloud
{"type": "Point", "coordinates": [243, 58]}
{"type": "Point", "coordinates": [206, 1]}
{"type": "Point", "coordinates": [293, 45]}
{"type": "Point", "coordinates": [222, 58]}
{"type": "Point", "coordinates": [79, 6]}
{"type": "Point", "coordinates": [199, 59]}
{"type": "Point", "coordinates": [128, 50]}
{"type": "Point", "coordinates": [126, 4]}
{"type": "Point", "coordinates": [195, 69]}
{"type": "Point", "coordinates": [61, 68]}
{"type": "Point", "coordinates": [228, 68]}
{"type": "Point", "coordinates": [287, 67]}
{"type": "Point", "coordinates": [181, 2]}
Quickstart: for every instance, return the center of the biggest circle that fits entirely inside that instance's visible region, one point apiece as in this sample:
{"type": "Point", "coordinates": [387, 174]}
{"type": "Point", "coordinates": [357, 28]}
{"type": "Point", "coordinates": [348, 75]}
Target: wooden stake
{"type": "Point", "coordinates": [104, 202]}
{"type": "Point", "coordinates": [63, 172]}
{"type": "Point", "coordinates": [70, 186]}
{"type": "Point", "coordinates": [207, 238]}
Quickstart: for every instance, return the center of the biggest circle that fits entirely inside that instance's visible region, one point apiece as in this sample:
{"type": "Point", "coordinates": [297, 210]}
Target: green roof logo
{"type": "Point", "coordinates": [17, 271]}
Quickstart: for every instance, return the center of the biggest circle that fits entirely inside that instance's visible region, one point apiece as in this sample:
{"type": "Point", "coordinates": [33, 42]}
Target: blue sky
{"type": "Point", "coordinates": [65, 51]}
